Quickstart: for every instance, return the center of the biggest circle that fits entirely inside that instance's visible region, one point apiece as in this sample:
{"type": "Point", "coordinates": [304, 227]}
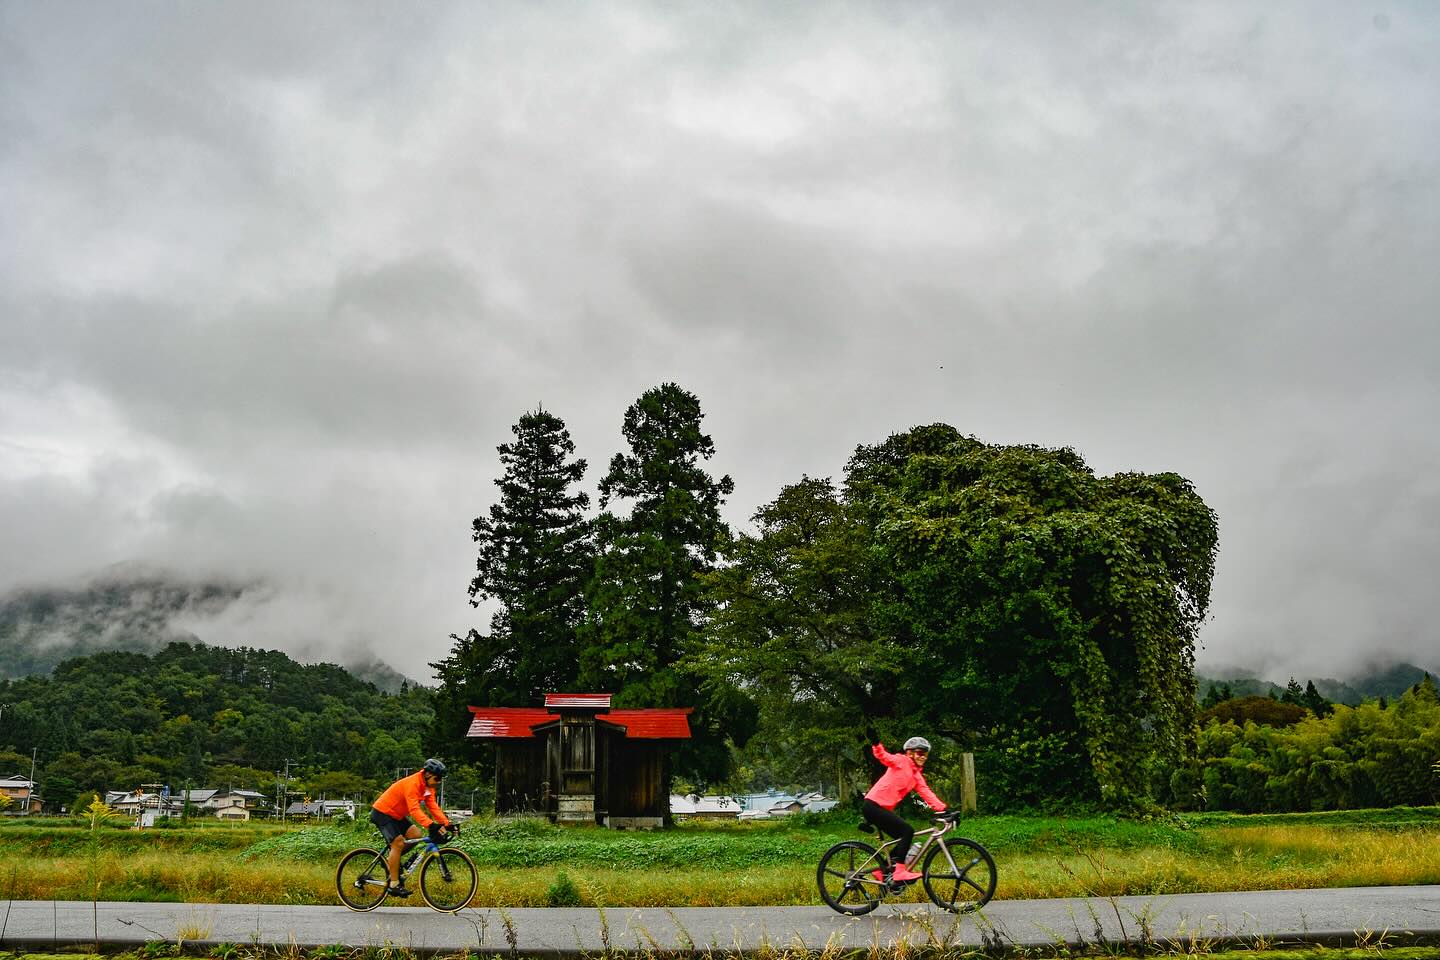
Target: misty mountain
{"type": "Point", "coordinates": [41, 627]}
{"type": "Point", "coordinates": [1388, 680]}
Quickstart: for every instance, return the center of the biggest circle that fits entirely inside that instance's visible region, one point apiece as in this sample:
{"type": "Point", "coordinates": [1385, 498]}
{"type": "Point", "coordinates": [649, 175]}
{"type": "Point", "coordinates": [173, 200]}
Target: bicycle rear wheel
{"type": "Point", "coordinates": [844, 876]}
{"type": "Point", "coordinates": [448, 880]}
{"type": "Point", "coordinates": [360, 879]}
{"type": "Point", "coordinates": [959, 875]}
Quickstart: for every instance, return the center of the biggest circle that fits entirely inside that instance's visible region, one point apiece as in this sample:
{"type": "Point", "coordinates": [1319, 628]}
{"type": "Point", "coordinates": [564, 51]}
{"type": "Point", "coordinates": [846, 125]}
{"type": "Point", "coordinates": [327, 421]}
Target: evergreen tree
{"type": "Point", "coordinates": [1316, 704]}
{"type": "Point", "coordinates": [535, 555]}
{"type": "Point", "coordinates": [1293, 693]}
{"type": "Point", "coordinates": [646, 600]}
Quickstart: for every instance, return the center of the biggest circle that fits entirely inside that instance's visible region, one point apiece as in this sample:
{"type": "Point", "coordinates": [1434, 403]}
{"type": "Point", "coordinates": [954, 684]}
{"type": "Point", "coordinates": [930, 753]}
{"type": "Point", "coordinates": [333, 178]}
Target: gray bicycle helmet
{"type": "Point", "coordinates": [434, 767]}
{"type": "Point", "coordinates": [917, 743]}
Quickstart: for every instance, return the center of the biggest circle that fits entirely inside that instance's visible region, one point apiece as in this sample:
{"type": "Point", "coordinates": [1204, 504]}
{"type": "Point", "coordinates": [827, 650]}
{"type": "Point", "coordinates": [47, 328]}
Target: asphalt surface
{"type": "Point", "coordinates": [1363, 915]}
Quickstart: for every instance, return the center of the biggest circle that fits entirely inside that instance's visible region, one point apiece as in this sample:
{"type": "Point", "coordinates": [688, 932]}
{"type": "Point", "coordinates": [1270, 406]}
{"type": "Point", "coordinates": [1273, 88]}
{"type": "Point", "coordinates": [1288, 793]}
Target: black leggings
{"type": "Point", "coordinates": [891, 824]}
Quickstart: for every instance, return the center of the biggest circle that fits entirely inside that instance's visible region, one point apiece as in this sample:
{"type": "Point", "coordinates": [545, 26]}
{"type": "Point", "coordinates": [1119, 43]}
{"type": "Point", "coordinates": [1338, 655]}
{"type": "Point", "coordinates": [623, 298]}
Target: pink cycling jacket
{"type": "Point", "coordinates": [901, 777]}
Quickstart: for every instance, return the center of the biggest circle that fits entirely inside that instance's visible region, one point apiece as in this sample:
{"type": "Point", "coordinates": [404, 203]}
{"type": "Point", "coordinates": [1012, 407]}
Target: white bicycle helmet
{"type": "Point", "coordinates": [917, 743]}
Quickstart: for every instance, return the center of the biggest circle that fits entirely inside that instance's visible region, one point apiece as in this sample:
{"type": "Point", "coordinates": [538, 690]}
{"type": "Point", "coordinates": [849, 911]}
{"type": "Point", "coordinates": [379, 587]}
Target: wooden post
{"type": "Point", "coordinates": [967, 783]}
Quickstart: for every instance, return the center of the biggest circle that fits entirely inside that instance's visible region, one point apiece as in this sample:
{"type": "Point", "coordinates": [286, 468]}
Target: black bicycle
{"type": "Point", "coordinates": [957, 873]}
{"type": "Point", "coordinates": [447, 875]}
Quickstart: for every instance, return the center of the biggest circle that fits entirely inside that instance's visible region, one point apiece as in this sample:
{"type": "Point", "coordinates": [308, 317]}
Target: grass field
{"type": "Point", "coordinates": [529, 863]}
{"type": "Point", "coordinates": [160, 950]}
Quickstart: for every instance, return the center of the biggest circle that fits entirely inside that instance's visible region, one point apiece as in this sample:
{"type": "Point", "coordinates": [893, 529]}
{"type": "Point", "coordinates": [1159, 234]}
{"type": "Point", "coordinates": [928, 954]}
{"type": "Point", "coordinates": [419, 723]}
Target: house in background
{"type": "Point", "coordinates": [814, 802]}
{"type": "Point", "coordinates": [230, 799]}
{"type": "Point", "coordinates": [231, 809]}
{"type": "Point", "coordinates": [693, 806]}
{"type": "Point", "coordinates": [24, 798]}
{"type": "Point", "coordinates": [576, 760]}
{"type": "Point", "coordinates": [146, 807]}
{"type": "Point", "coordinates": [772, 803]}
{"type": "Point", "coordinates": [321, 809]}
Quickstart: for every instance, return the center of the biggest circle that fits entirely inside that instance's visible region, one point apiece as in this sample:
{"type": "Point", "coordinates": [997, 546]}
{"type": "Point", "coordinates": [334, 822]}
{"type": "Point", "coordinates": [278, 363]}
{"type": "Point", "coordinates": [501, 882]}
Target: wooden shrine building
{"type": "Point", "coordinates": [578, 761]}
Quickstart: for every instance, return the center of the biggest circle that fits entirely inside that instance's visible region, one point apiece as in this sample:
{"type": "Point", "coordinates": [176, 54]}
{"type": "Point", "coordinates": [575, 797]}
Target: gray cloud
{"type": "Point", "coordinates": [277, 280]}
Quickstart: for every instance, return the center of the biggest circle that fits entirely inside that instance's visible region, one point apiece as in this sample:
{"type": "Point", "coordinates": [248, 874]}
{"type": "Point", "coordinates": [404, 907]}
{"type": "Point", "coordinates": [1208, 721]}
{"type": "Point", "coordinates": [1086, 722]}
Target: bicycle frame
{"type": "Point", "coordinates": [362, 878]}
{"type": "Point", "coordinates": [917, 848]}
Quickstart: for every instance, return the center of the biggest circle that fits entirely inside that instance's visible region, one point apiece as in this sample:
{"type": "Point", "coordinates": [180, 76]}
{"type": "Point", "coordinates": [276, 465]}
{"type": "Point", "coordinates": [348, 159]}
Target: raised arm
{"type": "Point", "coordinates": [886, 757]}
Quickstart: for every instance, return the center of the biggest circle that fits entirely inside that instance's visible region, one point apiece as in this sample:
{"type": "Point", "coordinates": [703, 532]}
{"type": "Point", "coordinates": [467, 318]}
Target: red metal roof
{"type": "Point", "coordinates": [654, 724]}
{"type": "Point", "coordinates": [508, 723]}
{"type": "Point", "coordinates": [599, 701]}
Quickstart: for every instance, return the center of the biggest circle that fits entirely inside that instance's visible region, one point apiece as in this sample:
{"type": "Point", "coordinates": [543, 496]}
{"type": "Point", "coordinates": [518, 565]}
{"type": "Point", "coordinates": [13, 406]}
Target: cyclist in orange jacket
{"type": "Point", "coordinates": [408, 797]}
{"type": "Point", "coordinates": [904, 773]}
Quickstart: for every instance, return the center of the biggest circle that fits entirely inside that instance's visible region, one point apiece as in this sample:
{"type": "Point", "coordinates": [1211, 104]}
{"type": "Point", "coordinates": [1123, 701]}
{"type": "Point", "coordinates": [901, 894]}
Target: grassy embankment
{"type": "Point", "coordinates": [159, 950]}
{"type": "Point", "coordinates": [522, 863]}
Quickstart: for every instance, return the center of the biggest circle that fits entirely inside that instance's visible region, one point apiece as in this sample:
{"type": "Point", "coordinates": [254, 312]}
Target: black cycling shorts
{"type": "Point", "coordinates": [388, 825]}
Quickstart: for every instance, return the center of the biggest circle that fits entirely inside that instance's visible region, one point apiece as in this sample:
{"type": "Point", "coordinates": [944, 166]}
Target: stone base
{"type": "Point", "coordinates": [575, 808]}
{"type": "Point", "coordinates": [635, 823]}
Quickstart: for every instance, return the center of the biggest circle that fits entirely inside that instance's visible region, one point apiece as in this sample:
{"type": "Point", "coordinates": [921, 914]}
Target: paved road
{"type": "Point", "coordinates": [1403, 914]}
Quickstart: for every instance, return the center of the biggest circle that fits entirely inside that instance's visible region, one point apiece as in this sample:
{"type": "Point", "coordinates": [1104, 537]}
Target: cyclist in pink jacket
{"type": "Point", "coordinates": [904, 773]}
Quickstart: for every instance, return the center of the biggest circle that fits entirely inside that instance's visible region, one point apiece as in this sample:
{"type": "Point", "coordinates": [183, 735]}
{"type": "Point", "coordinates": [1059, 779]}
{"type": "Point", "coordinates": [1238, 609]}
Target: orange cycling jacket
{"type": "Point", "coordinates": [902, 776]}
{"type": "Point", "coordinates": [404, 797]}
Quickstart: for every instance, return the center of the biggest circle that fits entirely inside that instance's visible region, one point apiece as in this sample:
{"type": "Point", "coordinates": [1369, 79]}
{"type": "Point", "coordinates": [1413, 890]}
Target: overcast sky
{"type": "Point", "coordinates": [276, 279]}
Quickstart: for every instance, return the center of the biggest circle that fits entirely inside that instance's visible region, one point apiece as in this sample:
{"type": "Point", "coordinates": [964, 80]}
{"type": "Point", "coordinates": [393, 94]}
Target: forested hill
{"type": "Point", "coordinates": [1389, 681]}
{"type": "Point", "coordinates": [40, 627]}
{"type": "Point", "coordinates": [206, 715]}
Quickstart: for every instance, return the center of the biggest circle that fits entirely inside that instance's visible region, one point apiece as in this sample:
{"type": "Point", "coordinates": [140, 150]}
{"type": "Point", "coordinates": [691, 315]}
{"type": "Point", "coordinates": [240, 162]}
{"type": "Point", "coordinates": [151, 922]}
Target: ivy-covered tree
{"type": "Point", "coordinates": [647, 601]}
{"type": "Point", "coordinates": [535, 555]}
{"type": "Point", "coordinates": [1054, 612]}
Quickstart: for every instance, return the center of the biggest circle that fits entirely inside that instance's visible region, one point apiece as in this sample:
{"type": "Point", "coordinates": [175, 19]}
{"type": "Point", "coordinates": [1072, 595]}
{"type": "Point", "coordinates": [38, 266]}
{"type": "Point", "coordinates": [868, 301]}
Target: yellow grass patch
{"type": "Point", "coordinates": [1226, 858]}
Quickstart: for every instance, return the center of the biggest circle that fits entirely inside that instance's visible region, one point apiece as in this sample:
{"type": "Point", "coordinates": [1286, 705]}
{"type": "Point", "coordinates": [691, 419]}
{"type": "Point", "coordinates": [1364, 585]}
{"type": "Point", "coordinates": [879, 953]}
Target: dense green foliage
{"type": "Point", "coordinates": [1001, 597]}
{"type": "Point", "coordinates": [206, 716]}
{"type": "Point", "coordinates": [1365, 756]}
{"type": "Point", "coordinates": [1262, 710]}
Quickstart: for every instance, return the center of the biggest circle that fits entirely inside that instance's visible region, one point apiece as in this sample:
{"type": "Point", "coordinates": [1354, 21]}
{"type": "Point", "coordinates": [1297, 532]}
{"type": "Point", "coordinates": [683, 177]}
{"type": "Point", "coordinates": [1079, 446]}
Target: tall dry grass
{"type": "Point", "coordinates": [1219, 858]}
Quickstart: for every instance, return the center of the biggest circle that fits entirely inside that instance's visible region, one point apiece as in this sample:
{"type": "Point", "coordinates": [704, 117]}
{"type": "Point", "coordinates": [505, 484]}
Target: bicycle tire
{"type": "Point", "coordinates": [361, 879]}
{"type": "Point", "coordinates": [963, 880]}
{"type": "Point", "coordinates": [448, 880]}
{"type": "Point", "coordinates": [844, 871]}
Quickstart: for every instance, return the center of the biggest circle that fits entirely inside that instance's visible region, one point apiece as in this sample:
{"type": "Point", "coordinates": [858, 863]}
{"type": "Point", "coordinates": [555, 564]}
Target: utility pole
{"type": "Point", "coordinates": [30, 787]}
{"type": "Point", "coordinates": [285, 794]}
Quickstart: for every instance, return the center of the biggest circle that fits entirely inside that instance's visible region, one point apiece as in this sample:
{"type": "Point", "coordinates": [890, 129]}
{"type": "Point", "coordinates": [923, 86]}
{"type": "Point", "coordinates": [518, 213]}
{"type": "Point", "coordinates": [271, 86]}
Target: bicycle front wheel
{"type": "Point", "coordinates": [448, 880]}
{"type": "Point", "coordinates": [959, 875]}
{"type": "Point", "coordinates": [846, 878]}
{"type": "Point", "coordinates": [360, 879]}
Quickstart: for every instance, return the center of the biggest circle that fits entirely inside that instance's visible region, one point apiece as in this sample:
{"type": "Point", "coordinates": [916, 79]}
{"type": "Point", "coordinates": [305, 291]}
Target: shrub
{"type": "Point", "coordinates": [563, 892]}
{"type": "Point", "coordinates": [1259, 710]}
